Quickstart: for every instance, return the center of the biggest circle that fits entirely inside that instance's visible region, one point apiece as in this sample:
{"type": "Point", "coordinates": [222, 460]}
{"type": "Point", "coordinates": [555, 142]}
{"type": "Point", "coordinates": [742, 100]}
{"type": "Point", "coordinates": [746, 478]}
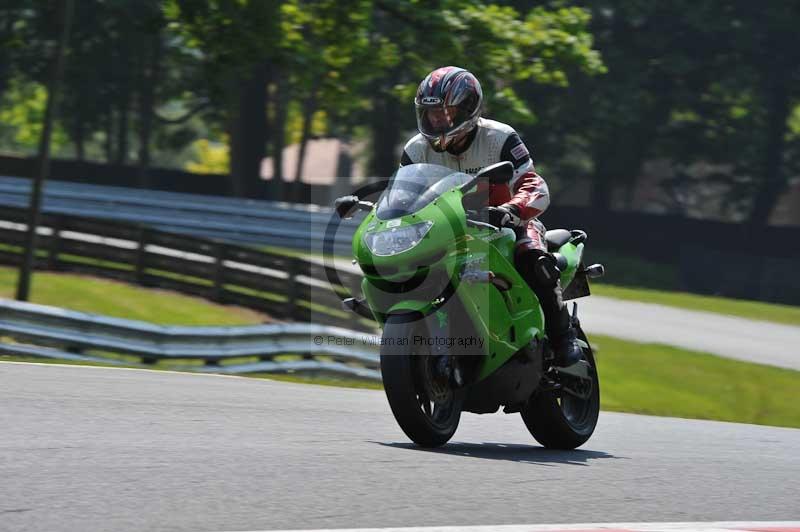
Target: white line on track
{"type": "Point", "coordinates": [114, 368]}
{"type": "Point", "coordinates": [726, 526]}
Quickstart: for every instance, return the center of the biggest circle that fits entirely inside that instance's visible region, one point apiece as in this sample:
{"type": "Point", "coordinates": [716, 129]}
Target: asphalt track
{"type": "Point", "coordinates": [91, 449]}
{"type": "Point", "coordinates": [763, 342]}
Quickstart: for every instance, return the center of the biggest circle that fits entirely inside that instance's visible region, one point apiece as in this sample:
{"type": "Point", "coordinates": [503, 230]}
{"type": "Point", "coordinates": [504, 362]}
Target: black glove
{"type": "Point", "coordinates": [502, 216]}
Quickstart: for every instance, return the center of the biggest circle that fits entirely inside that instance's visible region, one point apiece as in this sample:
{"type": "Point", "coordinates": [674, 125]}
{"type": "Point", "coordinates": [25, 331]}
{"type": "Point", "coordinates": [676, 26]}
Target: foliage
{"type": "Point", "coordinates": [597, 89]}
{"type": "Point", "coordinates": [692, 83]}
{"type": "Point", "coordinates": [211, 158]}
{"type": "Point", "coordinates": [21, 116]}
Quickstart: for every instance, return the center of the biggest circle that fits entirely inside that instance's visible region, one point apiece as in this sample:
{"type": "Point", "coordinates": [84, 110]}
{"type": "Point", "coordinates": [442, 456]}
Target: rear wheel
{"type": "Point", "coordinates": [565, 418]}
{"type": "Point", "coordinates": [424, 404]}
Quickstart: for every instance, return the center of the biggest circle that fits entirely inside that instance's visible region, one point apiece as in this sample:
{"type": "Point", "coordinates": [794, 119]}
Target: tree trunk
{"type": "Point", "coordinates": [43, 172]}
{"type": "Point", "coordinates": [248, 133]}
{"type": "Point", "coordinates": [309, 108]}
{"type": "Point", "coordinates": [150, 77]}
{"type": "Point", "coordinates": [603, 179]}
{"type": "Point", "coordinates": [621, 153]}
{"type": "Point", "coordinates": [279, 136]}
{"type": "Point", "coordinates": [79, 130]}
{"type": "Point", "coordinates": [5, 55]}
{"type": "Point", "coordinates": [773, 181]}
{"type": "Point", "coordinates": [122, 126]}
{"type": "Point", "coordinates": [385, 135]}
{"type": "Point", "coordinates": [108, 145]}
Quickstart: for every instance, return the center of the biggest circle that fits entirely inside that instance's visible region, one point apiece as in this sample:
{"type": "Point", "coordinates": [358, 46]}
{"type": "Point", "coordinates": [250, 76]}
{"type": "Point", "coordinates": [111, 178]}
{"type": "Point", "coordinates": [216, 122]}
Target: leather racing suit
{"type": "Point", "coordinates": [488, 143]}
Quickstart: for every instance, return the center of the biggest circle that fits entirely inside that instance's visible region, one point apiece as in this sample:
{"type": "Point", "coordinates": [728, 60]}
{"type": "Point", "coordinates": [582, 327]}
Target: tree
{"type": "Point", "coordinates": [738, 116]}
{"type": "Point", "coordinates": [239, 45]}
{"type": "Point", "coordinates": [501, 46]}
{"type": "Point", "coordinates": [766, 39]}
{"type": "Point", "coordinates": [63, 22]}
{"type": "Point", "coordinates": [328, 66]}
{"type": "Point", "coordinates": [655, 56]}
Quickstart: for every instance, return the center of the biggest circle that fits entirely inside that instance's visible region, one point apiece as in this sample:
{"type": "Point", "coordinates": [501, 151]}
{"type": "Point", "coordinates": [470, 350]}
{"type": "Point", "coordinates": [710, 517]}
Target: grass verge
{"type": "Point", "coordinates": [122, 300]}
{"type": "Point", "coordinates": [668, 381]}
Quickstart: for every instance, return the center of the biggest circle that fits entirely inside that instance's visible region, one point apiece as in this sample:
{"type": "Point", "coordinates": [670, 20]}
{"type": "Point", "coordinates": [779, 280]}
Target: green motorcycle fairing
{"type": "Point", "coordinates": [440, 247]}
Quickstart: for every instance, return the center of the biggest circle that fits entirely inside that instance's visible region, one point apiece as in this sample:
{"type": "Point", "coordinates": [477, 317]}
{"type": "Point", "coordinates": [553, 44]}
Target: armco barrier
{"type": "Point", "coordinates": [285, 287]}
{"type": "Point", "coordinates": [52, 332]}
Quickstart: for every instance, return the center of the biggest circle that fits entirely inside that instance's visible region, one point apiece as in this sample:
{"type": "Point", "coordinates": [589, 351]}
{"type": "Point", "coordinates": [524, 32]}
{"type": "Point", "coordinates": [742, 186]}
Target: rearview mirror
{"type": "Point", "coordinates": [344, 206]}
{"type": "Point", "coordinates": [497, 173]}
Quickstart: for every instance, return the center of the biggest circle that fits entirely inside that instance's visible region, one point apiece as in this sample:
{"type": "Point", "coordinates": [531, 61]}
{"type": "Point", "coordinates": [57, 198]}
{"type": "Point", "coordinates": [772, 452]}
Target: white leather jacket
{"type": "Point", "coordinates": [491, 143]}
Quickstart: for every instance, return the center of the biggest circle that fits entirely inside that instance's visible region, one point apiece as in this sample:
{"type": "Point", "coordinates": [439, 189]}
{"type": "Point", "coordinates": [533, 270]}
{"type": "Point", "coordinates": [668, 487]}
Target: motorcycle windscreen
{"type": "Point", "coordinates": [414, 186]}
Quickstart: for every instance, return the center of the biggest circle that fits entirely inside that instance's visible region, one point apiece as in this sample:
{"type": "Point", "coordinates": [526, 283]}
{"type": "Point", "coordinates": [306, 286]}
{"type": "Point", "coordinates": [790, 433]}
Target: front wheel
{"type": "Point", "coordinates": [425, 406]}
{"type": "Point", "coordinates": [565, 418]}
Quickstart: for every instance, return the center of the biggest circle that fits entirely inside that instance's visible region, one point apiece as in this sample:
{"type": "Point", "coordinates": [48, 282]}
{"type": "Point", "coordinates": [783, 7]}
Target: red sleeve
{"type": "Point", "coordinates": [531, 196]}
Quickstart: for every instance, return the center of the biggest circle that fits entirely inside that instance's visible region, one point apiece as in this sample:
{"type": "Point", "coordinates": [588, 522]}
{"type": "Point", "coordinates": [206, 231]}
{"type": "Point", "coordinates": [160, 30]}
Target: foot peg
{"type": "Point", "coordinates": [358, 306]}
{"type": "Point", "coordinates": [567, 350]}
{"type": "Point", "coordinates": [351, 303]}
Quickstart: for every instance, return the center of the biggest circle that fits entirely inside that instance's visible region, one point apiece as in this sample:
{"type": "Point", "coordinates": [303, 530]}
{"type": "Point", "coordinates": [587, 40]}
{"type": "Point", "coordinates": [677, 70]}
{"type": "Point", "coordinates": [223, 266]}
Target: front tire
{"type": "Point", "coordinates": [427, 410]}
{"type": "Point", "coordinates": [558, 420]}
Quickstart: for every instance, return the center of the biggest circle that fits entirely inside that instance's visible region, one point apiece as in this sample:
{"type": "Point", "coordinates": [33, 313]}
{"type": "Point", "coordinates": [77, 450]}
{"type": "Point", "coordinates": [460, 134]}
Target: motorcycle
{"type": "Point", "coordinates": [462, 330]}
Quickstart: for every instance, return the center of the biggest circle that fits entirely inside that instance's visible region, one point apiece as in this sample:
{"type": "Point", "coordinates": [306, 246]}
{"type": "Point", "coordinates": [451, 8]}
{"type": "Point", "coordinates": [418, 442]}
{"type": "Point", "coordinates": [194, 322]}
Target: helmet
{"type": "Point", "coordinates": [448, 105]}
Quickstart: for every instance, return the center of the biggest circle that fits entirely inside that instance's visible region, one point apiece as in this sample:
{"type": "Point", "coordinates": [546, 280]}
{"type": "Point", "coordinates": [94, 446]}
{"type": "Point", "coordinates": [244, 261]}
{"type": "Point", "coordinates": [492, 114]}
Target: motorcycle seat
{"type": "Point", "coordinates": [556, 238]}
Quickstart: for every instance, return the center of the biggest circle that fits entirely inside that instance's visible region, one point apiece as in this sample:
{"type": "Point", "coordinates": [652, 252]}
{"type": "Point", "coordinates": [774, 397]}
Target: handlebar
{"type": "Point", "coordinates": [481, 224]}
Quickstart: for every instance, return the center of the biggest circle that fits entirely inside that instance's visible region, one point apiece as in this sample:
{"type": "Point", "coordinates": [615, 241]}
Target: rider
{"type": "Point", "coordinates": [453, 134]}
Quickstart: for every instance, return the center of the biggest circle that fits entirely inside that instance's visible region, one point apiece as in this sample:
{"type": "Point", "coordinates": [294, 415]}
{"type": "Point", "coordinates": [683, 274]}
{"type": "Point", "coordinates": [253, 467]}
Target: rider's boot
{"type": "Point", "coordinates": [558, 324]}
{"type": "Point", "coordinates": [562, 334]}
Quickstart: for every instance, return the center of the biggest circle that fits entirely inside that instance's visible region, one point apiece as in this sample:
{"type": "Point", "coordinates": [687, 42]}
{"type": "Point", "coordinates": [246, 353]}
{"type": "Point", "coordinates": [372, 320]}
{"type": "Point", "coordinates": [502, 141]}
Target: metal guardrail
{"type": "Point", "coordinates": [51, 332]}
{"type": "Point", "coordinates": [231, 219]}
{"type": "Point", "coordinates": [287, 288]}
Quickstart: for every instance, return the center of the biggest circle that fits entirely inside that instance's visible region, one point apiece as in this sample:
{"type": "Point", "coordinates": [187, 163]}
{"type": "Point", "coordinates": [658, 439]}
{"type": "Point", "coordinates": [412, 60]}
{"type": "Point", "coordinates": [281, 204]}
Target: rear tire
{"type": "Point", "coordinates": [561, 421]}
{"type": "Point", "coordinates": [428, 411]}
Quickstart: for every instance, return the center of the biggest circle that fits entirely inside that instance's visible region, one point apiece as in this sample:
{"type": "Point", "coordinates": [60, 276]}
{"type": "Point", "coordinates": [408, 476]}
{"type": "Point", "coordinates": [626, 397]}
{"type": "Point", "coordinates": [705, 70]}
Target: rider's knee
{"type": "Point", "coordinates": [536, 265]}
{"type": "Point", "coordinates": [526, 252]}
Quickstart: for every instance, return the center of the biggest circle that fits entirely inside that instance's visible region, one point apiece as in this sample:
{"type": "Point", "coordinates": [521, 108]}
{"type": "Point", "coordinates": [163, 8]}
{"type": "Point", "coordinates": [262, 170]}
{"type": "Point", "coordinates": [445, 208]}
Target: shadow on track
{"type": "Point", "coordinates": [511, 452]}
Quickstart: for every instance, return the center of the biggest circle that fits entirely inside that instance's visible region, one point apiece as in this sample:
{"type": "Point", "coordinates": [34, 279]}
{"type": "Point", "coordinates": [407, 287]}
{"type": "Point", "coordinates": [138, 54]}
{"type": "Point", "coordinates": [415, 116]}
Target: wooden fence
{"type": "Point", "coordinates": [285, 287]}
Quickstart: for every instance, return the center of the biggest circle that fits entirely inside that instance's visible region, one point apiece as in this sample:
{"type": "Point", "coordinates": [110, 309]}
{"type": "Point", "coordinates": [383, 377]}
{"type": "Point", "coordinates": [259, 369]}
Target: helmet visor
{"type": "Point", "coordinates": [434, 121]}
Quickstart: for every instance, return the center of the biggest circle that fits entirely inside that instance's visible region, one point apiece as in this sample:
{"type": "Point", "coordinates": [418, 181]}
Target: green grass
{"type": "Point", "coordinates": [755, 310]}
{"type": "Point", "coordinates": [112, 298]}
{"type": "Point", "coordinates": [667, 381]}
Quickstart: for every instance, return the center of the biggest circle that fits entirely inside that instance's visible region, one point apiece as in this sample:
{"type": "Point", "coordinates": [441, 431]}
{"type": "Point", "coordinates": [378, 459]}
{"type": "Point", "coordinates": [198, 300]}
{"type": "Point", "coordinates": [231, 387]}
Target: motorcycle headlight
{"type": "Point", "coordinates": [397, 239]}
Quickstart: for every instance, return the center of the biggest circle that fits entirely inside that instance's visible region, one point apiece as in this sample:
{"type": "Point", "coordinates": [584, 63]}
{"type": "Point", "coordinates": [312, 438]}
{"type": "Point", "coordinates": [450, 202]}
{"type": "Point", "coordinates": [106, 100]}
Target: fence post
{"type": "Point", "coordinates": [219, 273]}
{"type": "Point", "coordinates": [141, 257]}
{"type": "Point", "coordinates": [298, 291]}
{"type": "Point", "coordinates": [292, 290]}
{"type": "Point", "coordinates": [55, 243]}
